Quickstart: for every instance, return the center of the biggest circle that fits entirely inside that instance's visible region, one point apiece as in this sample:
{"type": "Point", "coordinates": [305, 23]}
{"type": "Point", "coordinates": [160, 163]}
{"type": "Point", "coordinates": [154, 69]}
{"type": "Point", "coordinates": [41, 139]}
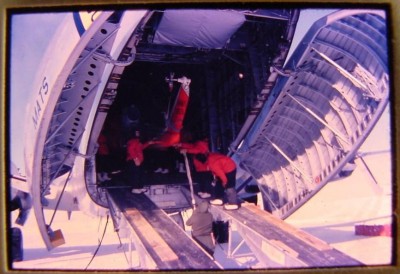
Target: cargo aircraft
{"type": "Point", "coordinates": [290, 124]}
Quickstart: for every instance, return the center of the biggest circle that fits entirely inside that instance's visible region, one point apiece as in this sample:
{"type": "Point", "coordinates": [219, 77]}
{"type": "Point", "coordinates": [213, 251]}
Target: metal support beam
{"type": "Point", "coordinates": [342, 71]}
{"type": "Point", "coordinates": [337, 133]}
{"type": "Point", "coordinates": [303, 174]}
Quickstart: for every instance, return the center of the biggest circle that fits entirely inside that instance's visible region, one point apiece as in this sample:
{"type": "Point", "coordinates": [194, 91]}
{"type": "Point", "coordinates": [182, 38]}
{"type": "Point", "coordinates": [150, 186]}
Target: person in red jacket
{"type": "Point", "coordinates": [202, 173]}
{"type": "Point", "coordinates": [224, 170]}
{"type": "Point", "coordinates": [134, 160]}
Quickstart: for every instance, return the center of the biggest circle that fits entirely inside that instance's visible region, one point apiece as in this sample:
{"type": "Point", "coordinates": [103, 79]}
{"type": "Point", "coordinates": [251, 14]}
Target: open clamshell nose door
{"type": "Point", "coordinates": [71, 84]}
{"type": "Point", "coordinates": [326, 101]}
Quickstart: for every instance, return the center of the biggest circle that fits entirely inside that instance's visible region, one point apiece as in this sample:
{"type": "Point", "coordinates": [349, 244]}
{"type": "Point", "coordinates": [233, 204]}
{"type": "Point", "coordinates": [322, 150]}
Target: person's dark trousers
{"type": "Point", "coordinates": [134, 174]}
{"type": "Point", "coordinates": [231, 196]}
{"type": "Point", "coordinates": [102, 162]}
{"type": "Point", "coordinates": [219, 190]}
{"type": "Point", "coordinates": [17, 254]}
{"type": "Point", "coordinates": [230, 191]}
{"type": "Point", "coordinates": [204, 179]}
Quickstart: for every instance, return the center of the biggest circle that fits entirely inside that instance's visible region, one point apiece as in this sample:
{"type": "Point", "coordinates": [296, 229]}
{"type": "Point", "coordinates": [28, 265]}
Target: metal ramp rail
{"type": "Point", "coordinates": [277, 244]}
{"type": "Point", "coordinates": [160, 242]}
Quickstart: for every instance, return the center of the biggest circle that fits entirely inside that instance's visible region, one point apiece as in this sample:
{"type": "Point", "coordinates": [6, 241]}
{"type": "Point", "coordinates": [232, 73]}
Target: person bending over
{"type": "Point", "coordinates": [224, 170]}
{"type": "Point", "coordinates": [202, 174]}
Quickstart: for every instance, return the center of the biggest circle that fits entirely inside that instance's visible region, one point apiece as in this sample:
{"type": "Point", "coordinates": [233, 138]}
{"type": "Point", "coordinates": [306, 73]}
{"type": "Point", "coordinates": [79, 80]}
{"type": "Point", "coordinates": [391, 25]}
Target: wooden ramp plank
{"type": "Point", "coordinates": [167, 243]}
{"type": "Point", "coordinates": [154, 239]}
{"type": "Point", "coordinates": [314, 241]}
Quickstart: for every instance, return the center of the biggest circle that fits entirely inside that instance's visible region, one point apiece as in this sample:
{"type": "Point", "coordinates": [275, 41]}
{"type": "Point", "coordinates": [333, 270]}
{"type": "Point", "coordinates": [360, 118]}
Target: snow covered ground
{"type": "Point", "coordinates": [332, 214]}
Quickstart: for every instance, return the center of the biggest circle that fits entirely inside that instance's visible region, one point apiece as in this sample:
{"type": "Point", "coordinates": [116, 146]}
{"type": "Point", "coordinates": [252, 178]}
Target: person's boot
{"type": "Point", "coordinates": [182, 168]}
{"type": "Point", "coordinates": [216, 202]}
{"type": "Point", "coordinates": [231, 207]}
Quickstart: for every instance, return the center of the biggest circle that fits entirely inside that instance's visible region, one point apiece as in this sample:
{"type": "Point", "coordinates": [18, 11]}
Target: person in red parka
{"type": "Point", "coordinates": [202, 173]}
{"type": "Point", "coordinates": [224, 170]}
{"type": "Point", "coordinates": [134, 160]}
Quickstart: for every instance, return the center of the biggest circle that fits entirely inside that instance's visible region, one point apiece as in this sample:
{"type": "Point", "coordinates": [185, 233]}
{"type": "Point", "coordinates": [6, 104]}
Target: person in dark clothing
{"type": "Point", "coordinates": [130, 122]}
{"type": "Point", "coordinates": [23, 202]}
{"type": "Point", "coordinates": [102, 158]}
{"type": "Point", "coordinates": [201, 222]}
{"type": "Point", "coordinates": [134, 160]}
{"type": "Point", "coordinates": [224, 170]}
{"type": "Point", "coordinates": [163, 158]}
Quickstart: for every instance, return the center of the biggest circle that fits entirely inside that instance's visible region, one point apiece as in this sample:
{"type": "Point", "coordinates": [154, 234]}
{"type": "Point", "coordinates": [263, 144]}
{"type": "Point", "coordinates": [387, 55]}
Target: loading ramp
{"type": "Point", "coordinates": [161, 243]}
{"type": "Point", "coordinates": [275, 243]}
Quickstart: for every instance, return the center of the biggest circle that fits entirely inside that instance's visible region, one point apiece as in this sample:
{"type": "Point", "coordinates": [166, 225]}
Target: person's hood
{"type": "Point", "coordinates": [203, 207]}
